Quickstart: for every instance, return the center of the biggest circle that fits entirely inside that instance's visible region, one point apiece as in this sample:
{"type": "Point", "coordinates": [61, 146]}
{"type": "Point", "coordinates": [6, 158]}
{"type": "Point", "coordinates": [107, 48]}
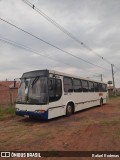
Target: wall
{"type": "Point", "coordinates": [8, 95]}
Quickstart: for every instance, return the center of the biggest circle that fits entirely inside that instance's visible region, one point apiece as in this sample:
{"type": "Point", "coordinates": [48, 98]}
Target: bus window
{"type": "Point", "coordinates": [91, 86]}
{"type": "Point", "coordinates": [77, 85]}
{"type": "Point", "coordinates": [100, 87]}
{"type": "Point", "coordinates": [68, 85]}
{"type": "Point", "coordinates": [58, 88]}
{"type": "Point", "coordinates": [85, 86]}
{"type": "Point", "coordinates": [96, 87]}
{"type": "Point", "coordinates": [104, 87]}
{"type": "Point", "coordinates": [55, 89]}
{"type": "Point", "coordinates": [37, 92]}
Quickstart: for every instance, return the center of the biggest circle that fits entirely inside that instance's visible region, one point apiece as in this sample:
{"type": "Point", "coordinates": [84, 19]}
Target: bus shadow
{"type": "Point", "coordinates": [43, 121]}
{"type": "Point", "coordinates": [29, 120]}
{"type": "Point", "coordinates": [60, 119]}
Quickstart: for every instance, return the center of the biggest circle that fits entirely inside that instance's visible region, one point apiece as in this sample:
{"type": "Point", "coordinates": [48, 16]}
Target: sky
{"type": "Point", "coordinates": [96, 23]}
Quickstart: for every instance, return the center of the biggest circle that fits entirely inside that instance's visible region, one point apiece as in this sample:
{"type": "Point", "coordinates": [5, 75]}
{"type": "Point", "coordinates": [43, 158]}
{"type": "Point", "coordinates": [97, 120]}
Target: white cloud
{"type": "Point", "coordinates": [96, 23]}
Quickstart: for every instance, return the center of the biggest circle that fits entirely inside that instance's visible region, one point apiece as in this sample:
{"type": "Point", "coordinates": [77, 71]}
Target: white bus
{"type": "Point", "coordinates": [48, 94]}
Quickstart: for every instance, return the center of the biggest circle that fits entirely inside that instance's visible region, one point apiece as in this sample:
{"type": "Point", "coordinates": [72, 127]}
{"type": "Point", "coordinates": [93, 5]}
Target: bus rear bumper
{"type": "Point", "coordinates": [33, 114]}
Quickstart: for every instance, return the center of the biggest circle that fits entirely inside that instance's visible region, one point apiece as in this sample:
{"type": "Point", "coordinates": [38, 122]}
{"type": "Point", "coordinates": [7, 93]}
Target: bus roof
{"type": "Point", "coordinates": [73, 76]}
{"type": "Point", "coordinates": [46, 72]}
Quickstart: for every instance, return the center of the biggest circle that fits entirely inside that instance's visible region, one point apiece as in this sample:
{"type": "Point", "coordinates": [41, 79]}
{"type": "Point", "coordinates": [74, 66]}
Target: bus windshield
{"type": "Point", "coordinates": [33, 91]}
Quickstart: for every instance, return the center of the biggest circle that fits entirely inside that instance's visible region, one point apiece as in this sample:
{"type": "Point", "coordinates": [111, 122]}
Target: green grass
{"type": "Point", "coordinates": [113, 97]}
{"type": "Point", "coordinates": [7, 111]}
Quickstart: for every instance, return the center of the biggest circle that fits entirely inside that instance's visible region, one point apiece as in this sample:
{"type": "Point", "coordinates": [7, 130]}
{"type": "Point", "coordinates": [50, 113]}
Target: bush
{"type": "Point", "coordinates": [7, 111]}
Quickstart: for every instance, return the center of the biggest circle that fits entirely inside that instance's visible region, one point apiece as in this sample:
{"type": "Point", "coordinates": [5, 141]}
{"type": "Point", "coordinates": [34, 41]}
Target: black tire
{"type": "Point", "coordinates": [101, 102]}
{"type": "Point", "coordinates": [69, 110]}
{"type": "Point", "coordinates": [31, 118]}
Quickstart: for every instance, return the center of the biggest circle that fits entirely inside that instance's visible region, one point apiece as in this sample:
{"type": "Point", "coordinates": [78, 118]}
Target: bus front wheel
{"type": "Point", "coordinates": [69, 110]}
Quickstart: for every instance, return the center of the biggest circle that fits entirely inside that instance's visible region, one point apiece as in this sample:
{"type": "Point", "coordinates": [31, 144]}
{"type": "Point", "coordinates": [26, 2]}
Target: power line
{"type": "Point", "coordinates": [13, 43]}
{"type": "Point", "coordinates": [64, 30]}
{"type": "Point", "coordinates": [50, 43]}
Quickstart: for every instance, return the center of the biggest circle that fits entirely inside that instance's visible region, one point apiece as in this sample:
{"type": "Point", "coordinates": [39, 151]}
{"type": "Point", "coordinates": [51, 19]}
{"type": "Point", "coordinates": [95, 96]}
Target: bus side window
{"type": "Point", "coordinates": [58, 88]}
{"type": "Point", "coordinates": [104, 87]}
{"type": "Point", "coordinates": [100, 87]}
{"type": "Point", "coordinates": [55, 89]}
{"type": "Point", "coordinates": [91, 86]}
{"type": "Point", "coordinates": [51, 89]}
{"type": "Point", "coordinates": [51, 85]}
{"type": "Point", "coordinates": [68, 84]}
{"type": "Point", "coordinates": [85, 86]}
{"type": "Point", "coordinates": [77, 85]}
{"type": "Point", "coordinates": [96, 87]}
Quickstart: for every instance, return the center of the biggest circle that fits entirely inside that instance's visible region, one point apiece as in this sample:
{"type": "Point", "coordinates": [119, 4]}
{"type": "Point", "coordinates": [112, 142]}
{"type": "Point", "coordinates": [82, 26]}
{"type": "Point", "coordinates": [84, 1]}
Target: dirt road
{"type": "Point", "coordinates": [96, 129]}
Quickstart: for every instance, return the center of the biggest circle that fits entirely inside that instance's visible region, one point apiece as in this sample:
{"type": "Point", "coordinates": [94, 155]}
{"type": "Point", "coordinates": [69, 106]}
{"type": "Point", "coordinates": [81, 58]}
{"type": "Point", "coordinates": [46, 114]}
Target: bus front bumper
{"type": "Point", "coordinates": [32, 114]}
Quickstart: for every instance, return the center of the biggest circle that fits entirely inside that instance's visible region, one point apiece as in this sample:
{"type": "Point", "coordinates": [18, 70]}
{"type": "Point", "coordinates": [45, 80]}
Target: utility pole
{"type": "Point", "coordinates": [101, 77]}
{"type": "Point", "coordinates": [112, 65]}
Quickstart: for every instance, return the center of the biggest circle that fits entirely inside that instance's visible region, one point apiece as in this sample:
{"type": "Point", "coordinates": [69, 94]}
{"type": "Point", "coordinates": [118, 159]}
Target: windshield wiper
{"type": "Point", "coordinates": [34, 81]}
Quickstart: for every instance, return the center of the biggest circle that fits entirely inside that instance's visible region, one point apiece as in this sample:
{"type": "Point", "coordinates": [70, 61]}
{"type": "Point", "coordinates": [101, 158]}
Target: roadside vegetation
{"type": "Point", "coordinates": [113, 97]}
{"type": "Point", "coordinates": [7, 111]}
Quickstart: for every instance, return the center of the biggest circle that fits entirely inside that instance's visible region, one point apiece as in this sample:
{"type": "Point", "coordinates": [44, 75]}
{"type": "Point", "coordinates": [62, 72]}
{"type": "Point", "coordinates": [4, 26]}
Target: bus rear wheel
{"type": "Point", "coordinates": [69, 110]}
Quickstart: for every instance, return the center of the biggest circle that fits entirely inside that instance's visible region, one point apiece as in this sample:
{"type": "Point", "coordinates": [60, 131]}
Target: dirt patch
{"type": "Point", "coordinates": [96, 129]}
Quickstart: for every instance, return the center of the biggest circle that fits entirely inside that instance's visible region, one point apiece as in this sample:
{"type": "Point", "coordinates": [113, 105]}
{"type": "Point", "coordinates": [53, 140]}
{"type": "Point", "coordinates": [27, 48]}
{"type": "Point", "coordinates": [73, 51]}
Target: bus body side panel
{"type": "Point", "coordinates": [56, 112]}
{"type": "Point", "coordinates": [84, 100]}
{"type": "Point", "coordinates": [87, 100]}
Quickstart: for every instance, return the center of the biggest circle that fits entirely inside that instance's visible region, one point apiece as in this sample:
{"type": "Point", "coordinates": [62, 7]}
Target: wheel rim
{"type": "Point", "coordinates": [69, 109]}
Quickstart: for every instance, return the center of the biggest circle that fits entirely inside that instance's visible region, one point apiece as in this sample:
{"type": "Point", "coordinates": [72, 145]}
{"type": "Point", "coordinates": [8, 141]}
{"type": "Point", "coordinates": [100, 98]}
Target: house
{"type": "Point", "coordinates": [118, 91]}
{"type": "Point", "coordinates": [8, 93]}
{"type": "Point", "coordinates": [110, 90]}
